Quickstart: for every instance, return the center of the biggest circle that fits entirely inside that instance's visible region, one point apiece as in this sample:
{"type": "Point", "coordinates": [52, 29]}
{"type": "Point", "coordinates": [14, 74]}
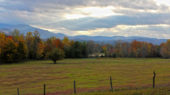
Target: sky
{"type": "Point", "coordinates": [147, 18]}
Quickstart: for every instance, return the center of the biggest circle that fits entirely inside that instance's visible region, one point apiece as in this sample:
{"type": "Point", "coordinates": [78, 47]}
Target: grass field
{"type": "Point", "coordinates": [130, 76]}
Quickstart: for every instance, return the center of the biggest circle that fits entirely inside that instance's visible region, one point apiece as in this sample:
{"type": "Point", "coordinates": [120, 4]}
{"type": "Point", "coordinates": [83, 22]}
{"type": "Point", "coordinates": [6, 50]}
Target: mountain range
{"type": "Point", "coordinates": [8, 28]}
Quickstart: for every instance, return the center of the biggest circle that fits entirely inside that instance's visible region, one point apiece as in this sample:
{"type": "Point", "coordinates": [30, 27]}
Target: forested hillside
{"type": "Point", "coordinates": [17, 47]}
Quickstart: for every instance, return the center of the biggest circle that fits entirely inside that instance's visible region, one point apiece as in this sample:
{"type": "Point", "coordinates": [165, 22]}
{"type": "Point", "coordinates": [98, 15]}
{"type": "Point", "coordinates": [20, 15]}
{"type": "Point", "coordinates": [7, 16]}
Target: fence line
{"type": "Point", "coordinates": [111, 86]}
{"type": "Point", "coordinates": [74, 85]}
{"type": "Point", "coordinates": [18, 91]}
{"type": "Point", "coordinates": [154, 76]}
{"type": "Point", "coordinates": [75, 90]}
{"type": "Point", "coordinates": [44, 89]}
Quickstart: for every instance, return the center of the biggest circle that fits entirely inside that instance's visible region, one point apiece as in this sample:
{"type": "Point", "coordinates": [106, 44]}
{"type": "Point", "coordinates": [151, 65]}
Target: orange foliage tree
{"type": "Point", "coordinates": [165, 49]}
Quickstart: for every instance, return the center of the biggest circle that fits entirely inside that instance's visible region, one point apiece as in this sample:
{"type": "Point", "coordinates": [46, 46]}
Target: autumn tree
{"type": "Point", "coordinates": [66, 42]}
{"type": "Point", "coordinates": [2, 43]}
{"type": "Point", "coordinates": [78, 50]}
{"type": "Point", "coordinates": [165, 49]}
{"type": "Point", "coordinates": [21, 44]}
{"type": "Point", "coordinates": [40, 52]}
{"type": "Point", "coordinates": [9, 51]}
{"type": "Point", "coordinates": [30, 42]}
{"type": "Point", "coordinates": [22, 50]}
{"type": "Point", "coordinates": [67, 46]}
{"type": "Point", "coordinates": [16, 35]}
{"type": "Point", "coordinates": [118, 49]}
{"type": "Point", "coordinates": [93, 47]}
{"type": "Point", "coordinates": [33, 42]}
{"type": "Point", "coordinates": [36, 42]}
{"type": "Point", "coordinates": [56, 54]}
{"type": "Point", "coordinates": [52, 43]}
{"type": "Point", "coordinates": [58, 43]}
{"type": "Point", "coordinates": [135, 48]}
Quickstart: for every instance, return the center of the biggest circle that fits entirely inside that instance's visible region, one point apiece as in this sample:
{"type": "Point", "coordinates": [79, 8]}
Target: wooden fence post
{"type": "Point", "coordinates": [44, 89]}
{"type": "Point", "coordinates": [154, 76]}
{"type": "Point", "coordinates": [74, 84]}
{"type": "Point", "coordinates": [111, 86]}
{"type": "Point", "coordinates": [17, 91]}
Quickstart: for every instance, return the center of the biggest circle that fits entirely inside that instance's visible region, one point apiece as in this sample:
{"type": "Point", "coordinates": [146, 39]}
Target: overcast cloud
{"type": "Point", "coordinates": [91, 17]}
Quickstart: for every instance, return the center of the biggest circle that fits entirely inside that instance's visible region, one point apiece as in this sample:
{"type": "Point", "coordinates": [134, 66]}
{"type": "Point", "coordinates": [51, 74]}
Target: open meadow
{"type": "Point", "coordinates": [131, 76]}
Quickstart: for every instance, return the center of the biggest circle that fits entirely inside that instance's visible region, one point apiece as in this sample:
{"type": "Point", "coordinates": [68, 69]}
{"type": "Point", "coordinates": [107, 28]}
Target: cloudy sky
{"type": "Point", "coordinates": [149, 18]}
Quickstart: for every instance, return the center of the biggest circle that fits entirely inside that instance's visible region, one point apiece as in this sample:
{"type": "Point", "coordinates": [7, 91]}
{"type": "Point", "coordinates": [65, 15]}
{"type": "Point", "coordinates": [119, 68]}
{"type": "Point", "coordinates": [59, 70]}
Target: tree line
{"type": "Point", "coordinates": [17, 47]}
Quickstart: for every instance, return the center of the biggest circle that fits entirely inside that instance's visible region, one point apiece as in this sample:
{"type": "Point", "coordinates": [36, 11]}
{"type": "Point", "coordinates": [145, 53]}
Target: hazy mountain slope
{"type": "Point", "coordinates": [7, 28]}
{"type": "Point", "coordinates": [26, 28]}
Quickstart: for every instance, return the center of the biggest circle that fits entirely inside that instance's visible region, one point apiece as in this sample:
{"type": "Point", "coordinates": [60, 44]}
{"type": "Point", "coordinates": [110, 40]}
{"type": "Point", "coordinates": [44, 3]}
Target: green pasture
{"type": "Point", "coordinates": [130, 75]}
